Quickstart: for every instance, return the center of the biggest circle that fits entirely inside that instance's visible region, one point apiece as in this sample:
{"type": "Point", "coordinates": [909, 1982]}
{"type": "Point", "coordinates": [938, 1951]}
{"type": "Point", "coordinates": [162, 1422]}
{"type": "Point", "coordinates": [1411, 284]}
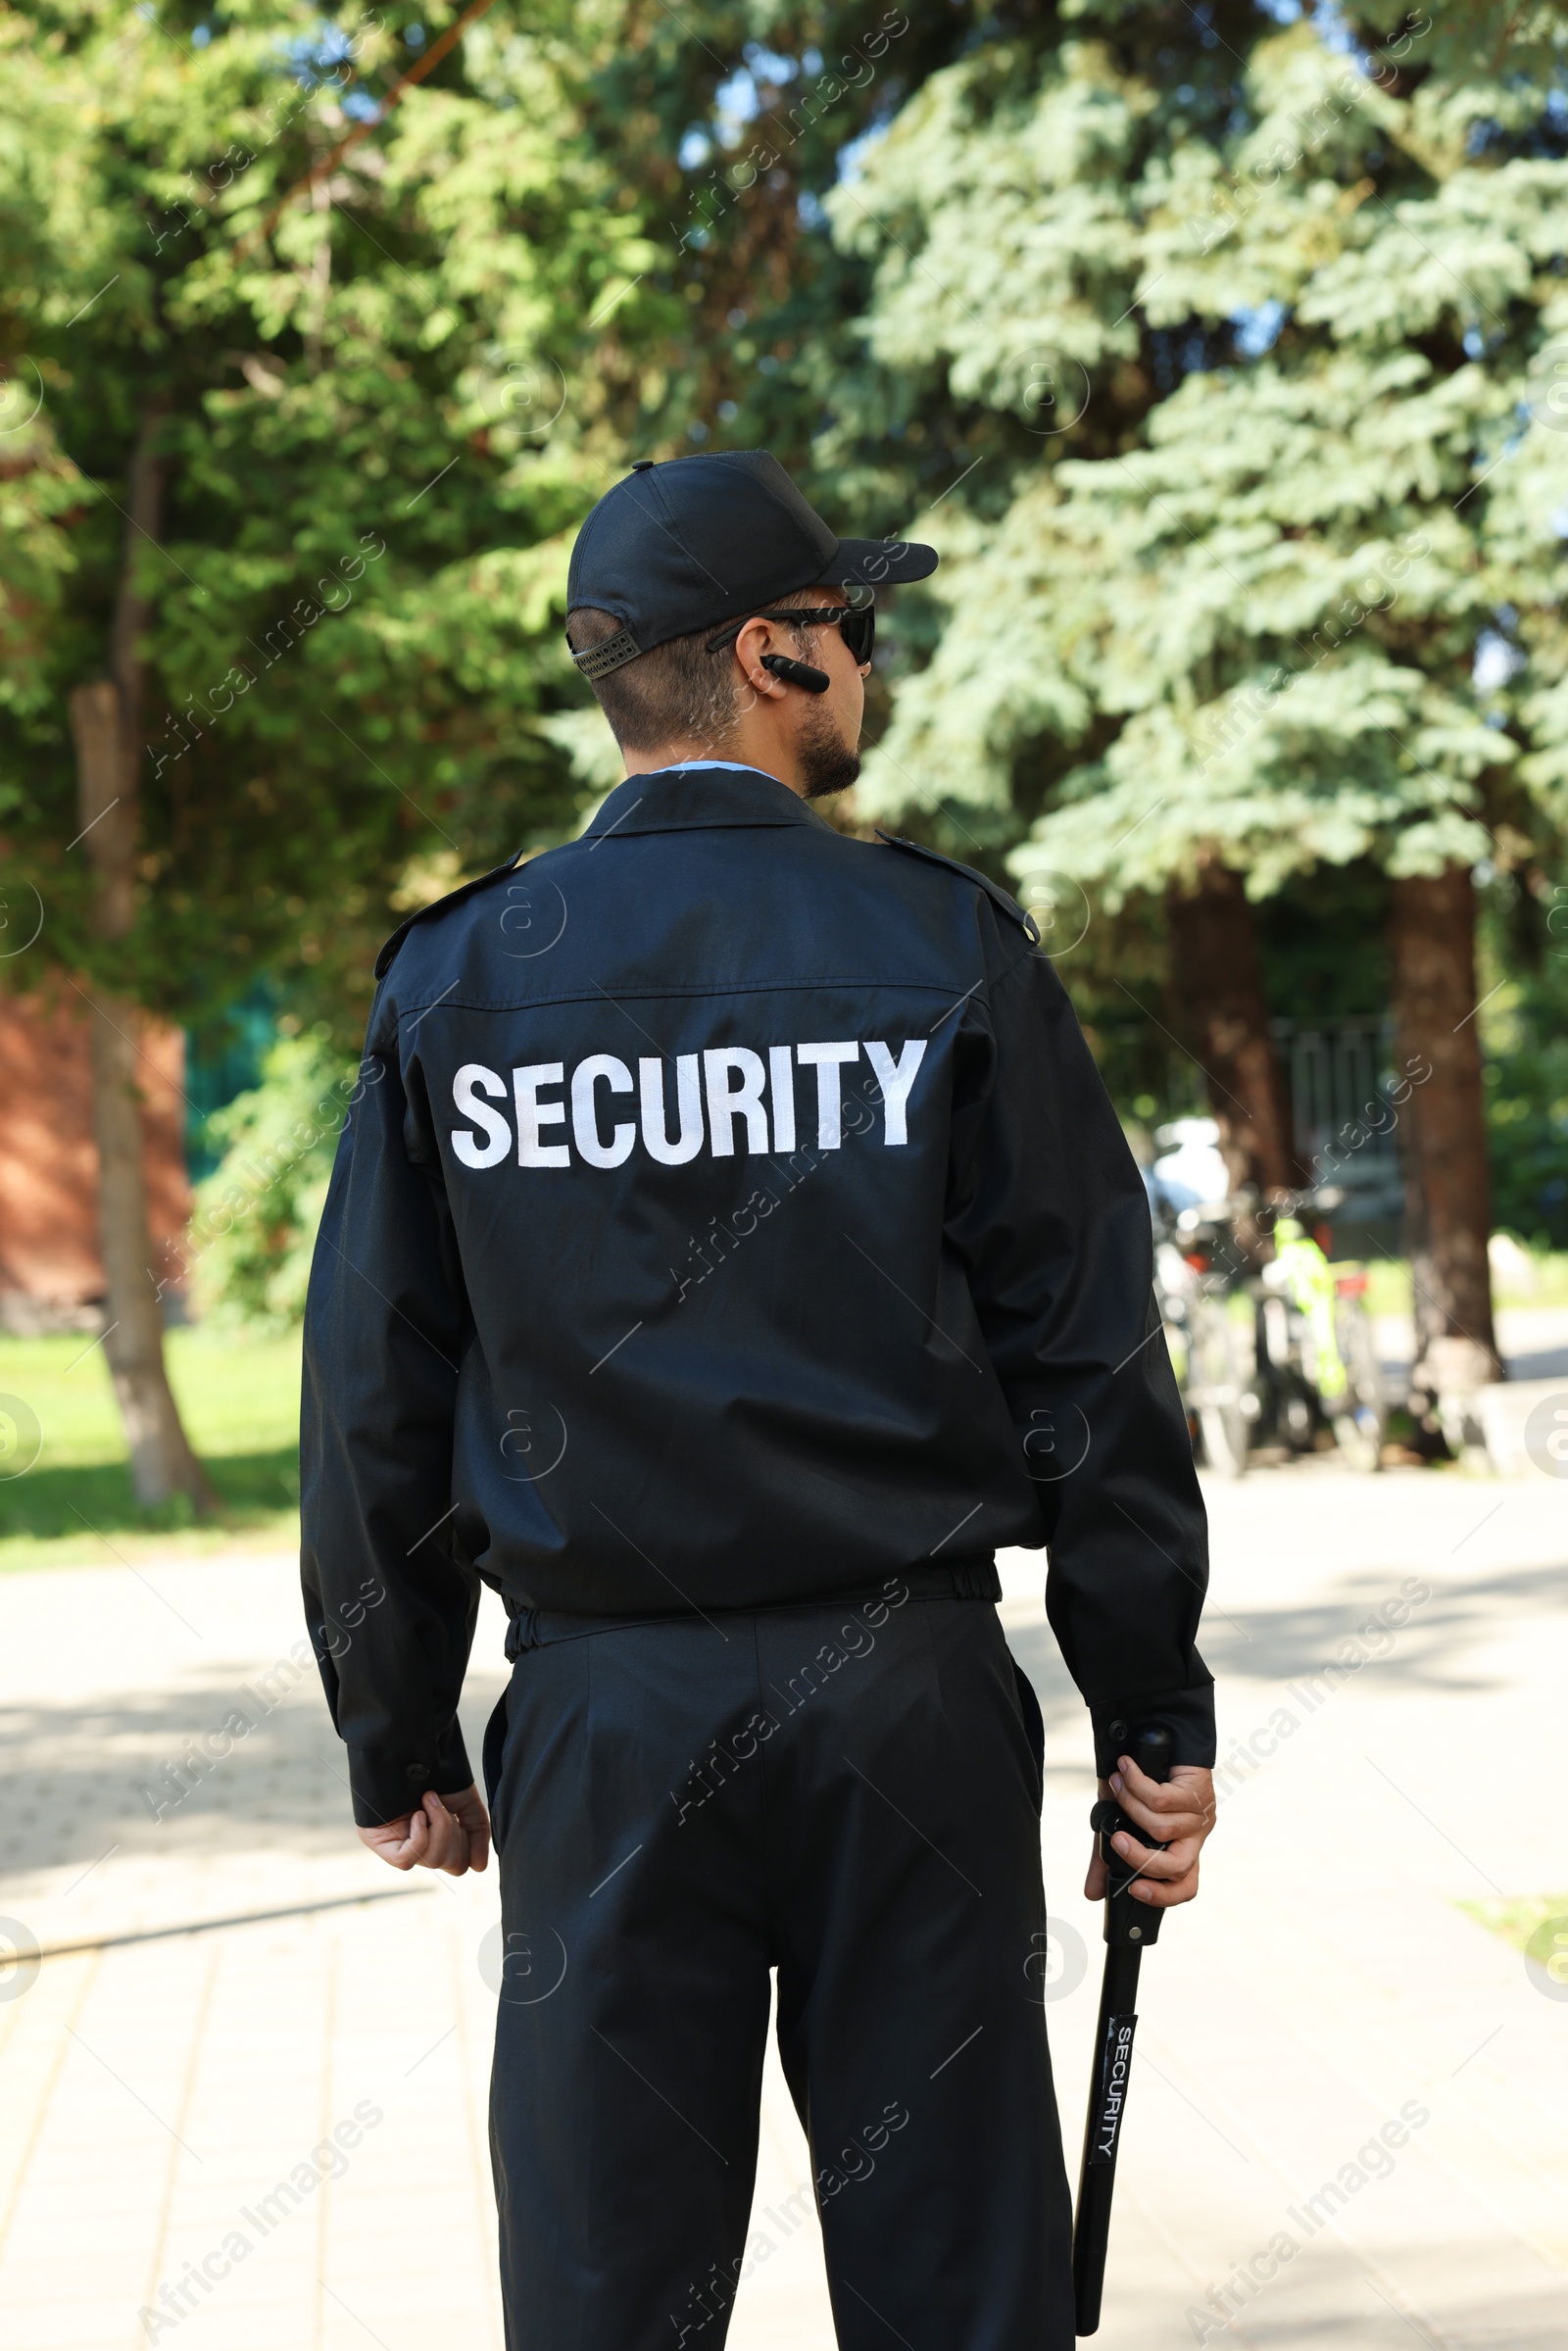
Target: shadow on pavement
{"type": "Point", "coordinates": [214, 1759]}
{"type": "Point", "coordinates": [1432, 1652]}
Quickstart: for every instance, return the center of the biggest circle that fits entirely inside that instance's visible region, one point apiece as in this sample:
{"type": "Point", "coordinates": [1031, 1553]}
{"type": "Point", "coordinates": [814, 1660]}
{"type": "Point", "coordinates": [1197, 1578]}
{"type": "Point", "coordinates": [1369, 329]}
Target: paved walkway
{"type": "Point", "coordinates": [1534, 1341]}
{"type": "Point", "coordinates": [250, 2101]}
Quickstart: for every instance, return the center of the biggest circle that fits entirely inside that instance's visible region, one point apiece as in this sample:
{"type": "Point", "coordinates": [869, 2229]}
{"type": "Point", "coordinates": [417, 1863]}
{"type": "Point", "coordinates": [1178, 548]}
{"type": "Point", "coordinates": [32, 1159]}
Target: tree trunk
{"type": "Point", "coordinates": [106, 723]}
{"type": "Point", "coordinates": [1432, 939]}
{"type": "Point", "coordinates": [1219, 982]}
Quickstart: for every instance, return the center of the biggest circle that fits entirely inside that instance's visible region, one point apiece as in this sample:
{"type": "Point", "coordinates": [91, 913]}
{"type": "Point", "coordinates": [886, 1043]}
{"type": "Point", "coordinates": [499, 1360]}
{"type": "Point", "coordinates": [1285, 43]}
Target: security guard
{"type": "Point", "coordinates": [730, 1248]}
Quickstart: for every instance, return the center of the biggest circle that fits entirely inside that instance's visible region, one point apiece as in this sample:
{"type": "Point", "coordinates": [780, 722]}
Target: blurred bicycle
{"type": "Point", "coordinates": [1277, 1353]}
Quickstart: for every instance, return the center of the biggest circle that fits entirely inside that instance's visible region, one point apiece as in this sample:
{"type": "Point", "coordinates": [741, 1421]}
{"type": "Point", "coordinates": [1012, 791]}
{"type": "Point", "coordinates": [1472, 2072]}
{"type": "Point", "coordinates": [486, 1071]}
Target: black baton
{"type": "Point", "coordinates": [1130, 1927]}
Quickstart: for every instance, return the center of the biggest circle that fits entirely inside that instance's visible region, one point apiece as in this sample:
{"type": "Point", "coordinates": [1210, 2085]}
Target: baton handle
{"type": "Point", "coordinates": [1130, 1927]}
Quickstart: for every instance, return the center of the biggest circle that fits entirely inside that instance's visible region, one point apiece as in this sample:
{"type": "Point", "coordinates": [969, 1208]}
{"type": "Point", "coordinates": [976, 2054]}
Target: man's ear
{"type": "Point", "coordinates": [756, 639]}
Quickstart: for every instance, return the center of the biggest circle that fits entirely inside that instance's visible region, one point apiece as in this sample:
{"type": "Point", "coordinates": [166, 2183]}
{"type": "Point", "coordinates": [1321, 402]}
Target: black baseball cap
{"type": "Point", "coordinates": [698, 541]}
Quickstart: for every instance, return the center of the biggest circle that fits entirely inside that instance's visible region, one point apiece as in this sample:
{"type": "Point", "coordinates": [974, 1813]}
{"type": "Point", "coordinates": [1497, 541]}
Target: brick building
{"type": "Point", "coordinates": [51, 1275]}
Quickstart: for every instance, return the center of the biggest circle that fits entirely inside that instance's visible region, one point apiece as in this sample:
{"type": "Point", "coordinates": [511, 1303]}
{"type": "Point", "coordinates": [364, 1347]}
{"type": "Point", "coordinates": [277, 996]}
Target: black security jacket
{"type": "Point", "coordinates": [731, 1212]}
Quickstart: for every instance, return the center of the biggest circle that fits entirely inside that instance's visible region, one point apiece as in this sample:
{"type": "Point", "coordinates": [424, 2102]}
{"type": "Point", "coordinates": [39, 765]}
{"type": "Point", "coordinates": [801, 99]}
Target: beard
{"type": "Point", "coordinates": [827, 761]}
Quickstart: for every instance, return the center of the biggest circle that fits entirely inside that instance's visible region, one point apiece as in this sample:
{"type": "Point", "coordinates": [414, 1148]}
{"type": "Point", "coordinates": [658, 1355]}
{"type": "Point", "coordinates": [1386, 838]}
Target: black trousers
{"type": "Point", "coordinates": [849, 1796]}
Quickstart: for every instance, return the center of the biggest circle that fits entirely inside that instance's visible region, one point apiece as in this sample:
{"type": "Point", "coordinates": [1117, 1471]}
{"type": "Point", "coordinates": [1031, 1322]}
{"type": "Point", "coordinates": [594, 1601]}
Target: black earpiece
{"type": "Point", "coordinates": [798, 673]}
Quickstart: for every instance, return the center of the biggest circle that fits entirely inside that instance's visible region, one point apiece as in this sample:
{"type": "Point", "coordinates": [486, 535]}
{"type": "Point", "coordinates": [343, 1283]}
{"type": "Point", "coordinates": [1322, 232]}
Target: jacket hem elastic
{"type": "Point", "coordinates": [963, 1580]}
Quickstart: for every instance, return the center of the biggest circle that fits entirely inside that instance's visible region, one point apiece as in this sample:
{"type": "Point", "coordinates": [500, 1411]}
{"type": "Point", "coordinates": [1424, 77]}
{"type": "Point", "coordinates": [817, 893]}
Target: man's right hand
{"type": "Point", "coordinates": [447, 1832]}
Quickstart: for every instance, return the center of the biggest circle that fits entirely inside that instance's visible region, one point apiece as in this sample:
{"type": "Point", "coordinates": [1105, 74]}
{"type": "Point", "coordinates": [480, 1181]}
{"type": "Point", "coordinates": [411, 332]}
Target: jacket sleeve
{"type": "Point", "coordinates": [1049, 1213]}
{"type": "Point", "coordinates": [389, 1599]}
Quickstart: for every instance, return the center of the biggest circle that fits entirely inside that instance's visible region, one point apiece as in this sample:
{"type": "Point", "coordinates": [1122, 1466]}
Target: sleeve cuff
{"type": "Point", "coordinates": [1186, 1714]}
{"type": "Point", "coordinates": [387, 1783]}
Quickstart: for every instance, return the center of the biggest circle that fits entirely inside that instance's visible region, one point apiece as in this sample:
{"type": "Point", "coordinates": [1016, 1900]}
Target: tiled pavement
{"type": "Point", "coordinates": [297, 2100]}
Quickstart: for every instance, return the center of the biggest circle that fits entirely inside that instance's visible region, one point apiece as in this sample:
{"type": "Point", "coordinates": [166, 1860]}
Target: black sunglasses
{"type": "Point", "coordinates": [854, 623]}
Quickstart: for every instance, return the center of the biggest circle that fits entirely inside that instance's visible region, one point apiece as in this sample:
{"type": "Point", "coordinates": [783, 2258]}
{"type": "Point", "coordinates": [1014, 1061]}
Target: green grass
{"type": "Point", "coordinates": [239, 1398]}
{"type": "Point", "coordinates": [1516, 1919]}
{"type": "Point", "coordinates": [1388, 1284]}
{"type": "Point", "coordinates": [1551, 1277]}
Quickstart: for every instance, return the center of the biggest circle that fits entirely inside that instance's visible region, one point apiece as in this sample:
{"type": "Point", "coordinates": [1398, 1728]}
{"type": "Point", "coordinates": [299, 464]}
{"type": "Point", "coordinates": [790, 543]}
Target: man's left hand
{"type": "Point", "coordinates": [447, 1832]}
{"type": "Point", "coordinates": [1177, 1812]}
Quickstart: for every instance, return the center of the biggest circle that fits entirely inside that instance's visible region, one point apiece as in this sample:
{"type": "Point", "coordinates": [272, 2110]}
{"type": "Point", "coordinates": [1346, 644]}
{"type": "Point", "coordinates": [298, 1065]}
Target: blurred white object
{"type": "Point", "coordinates": [1193, 1175]}
{"type": "Point", "coordinates": [1514, 1268]}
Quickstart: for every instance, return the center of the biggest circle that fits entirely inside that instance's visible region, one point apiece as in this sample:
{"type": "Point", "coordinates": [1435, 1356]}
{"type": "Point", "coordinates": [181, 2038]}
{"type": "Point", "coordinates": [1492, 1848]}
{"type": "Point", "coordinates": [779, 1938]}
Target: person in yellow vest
{"type": "Point", "coordinates": [1307, 1281]}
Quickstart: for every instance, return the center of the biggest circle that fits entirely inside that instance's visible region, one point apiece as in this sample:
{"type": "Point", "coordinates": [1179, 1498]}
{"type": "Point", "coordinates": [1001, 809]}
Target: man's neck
{"type": "Point", "coordinates": [765, 761]}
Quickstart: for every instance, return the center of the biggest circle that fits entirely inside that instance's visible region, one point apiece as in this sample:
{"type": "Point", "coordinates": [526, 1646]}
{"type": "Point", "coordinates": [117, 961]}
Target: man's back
{"type": "Point", "coordinates": [707, 1108]}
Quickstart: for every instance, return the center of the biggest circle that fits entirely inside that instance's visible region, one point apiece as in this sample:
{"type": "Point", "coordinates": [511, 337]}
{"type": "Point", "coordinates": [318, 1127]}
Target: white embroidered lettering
{"type": "Point", "coordinates": [827, 1060]}
{"type": "Point", "coordinates": [895, 1079]}
{"type": "Point", "coordinates": [600, 1067]}
{"type": "Point", "coordinates": [781, 1090]}
{"type": "Point", "coordinates": [726, 1101]}
{"type": "Point", "coordinates": [689, 1096]}
{"type": "Point", "coordinates": [472, 1080]}
{"type": "Point", "coordinates": [532, 1114]}
{"type": "Point", "coordinates": [711, 1090]}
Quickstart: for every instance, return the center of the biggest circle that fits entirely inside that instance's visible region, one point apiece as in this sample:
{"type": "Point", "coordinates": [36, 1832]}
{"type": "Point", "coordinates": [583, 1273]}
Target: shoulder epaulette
{"type": "Point", "coordinates": [438, 906]}
{"type": "Point", "coordinates": [993, 890]}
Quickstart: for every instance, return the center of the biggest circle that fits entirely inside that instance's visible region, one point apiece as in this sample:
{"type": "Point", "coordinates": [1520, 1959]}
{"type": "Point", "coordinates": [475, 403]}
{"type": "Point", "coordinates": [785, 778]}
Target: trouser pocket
{"type": "Point", "coordinates": [1034, 1723]}
{"type": "Point", "coordinates": [494, 1759]}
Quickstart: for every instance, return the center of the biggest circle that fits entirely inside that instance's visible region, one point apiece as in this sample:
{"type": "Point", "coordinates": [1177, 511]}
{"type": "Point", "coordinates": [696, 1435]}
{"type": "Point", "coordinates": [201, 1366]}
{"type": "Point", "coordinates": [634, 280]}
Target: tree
{"type": "Point", "coordinates": [106, 717]}
{"type": "Point", "coordinates": [1006, 212]}
{"type": "Point", "coordinates": [1214, 947]}
{"type": "Point", "coordinates": [256, 1215]}
{"type": "Point", "coordinates": [1525, 974]}
{"type": "Point", "coordinates": [735, 120]}
{"type": "Point", "coordinates": [1448, 1216]}
{"type": "Point", "coordinates": [292, 467]}
{"type": "Point", "coordinates": [1306, 610]}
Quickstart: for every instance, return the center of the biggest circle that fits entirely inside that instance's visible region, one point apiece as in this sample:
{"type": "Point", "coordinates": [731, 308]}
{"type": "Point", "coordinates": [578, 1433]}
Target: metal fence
{"type": "Point", "coordinates": [1345, 1121]}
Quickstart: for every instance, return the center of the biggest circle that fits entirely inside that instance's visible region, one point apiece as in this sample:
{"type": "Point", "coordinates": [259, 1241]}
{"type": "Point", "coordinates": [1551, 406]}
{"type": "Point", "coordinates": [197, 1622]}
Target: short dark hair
{"type": "Point", "coordinates": [678, 689]}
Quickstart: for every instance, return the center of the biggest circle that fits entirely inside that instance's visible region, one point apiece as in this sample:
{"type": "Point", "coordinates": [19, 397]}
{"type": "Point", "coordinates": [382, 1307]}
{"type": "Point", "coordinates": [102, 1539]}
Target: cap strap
{"type": "Point", "coordinates": [613, 653]}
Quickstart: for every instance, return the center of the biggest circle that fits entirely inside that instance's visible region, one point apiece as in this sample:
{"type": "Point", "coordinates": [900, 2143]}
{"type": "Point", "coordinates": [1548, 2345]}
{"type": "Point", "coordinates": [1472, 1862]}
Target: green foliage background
{"type": "Point", "coordinates": [256, 1215]}
{"type": "Point", "coordinates": [1280, 297]}
{"type": "Point", "coordinates": [1222, 349]}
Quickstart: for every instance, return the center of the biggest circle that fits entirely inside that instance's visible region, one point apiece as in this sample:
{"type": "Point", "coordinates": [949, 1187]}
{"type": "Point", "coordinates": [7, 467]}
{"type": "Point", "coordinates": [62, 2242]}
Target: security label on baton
{"type": "Point", "coordinates": [1130, 1927]}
